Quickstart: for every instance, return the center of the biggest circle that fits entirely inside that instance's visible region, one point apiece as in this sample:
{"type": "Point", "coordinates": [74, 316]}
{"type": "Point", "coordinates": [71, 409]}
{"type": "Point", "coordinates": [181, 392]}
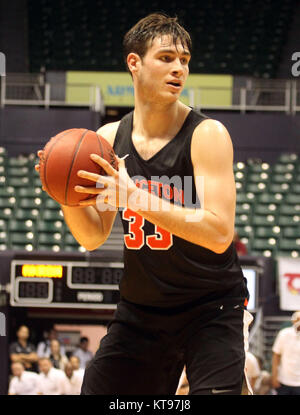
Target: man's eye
{"type": "Point", "coordinates": [166, 58]}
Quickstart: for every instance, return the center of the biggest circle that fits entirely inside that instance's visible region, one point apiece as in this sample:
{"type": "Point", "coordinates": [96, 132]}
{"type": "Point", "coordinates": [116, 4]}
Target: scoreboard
{"type": "Point", "coordinates": [65, 284]}
{"type": "Point", "coordinates": [84, 284]}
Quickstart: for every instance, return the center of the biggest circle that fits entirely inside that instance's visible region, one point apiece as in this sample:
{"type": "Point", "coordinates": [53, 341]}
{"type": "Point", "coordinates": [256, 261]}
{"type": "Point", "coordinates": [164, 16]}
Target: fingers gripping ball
{"type": "Point", "coordinates": [65, 154]}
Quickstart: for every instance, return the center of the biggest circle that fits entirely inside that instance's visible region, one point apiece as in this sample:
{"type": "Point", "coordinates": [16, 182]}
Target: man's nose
{"type": "Point", "coordinates": [177, 67]}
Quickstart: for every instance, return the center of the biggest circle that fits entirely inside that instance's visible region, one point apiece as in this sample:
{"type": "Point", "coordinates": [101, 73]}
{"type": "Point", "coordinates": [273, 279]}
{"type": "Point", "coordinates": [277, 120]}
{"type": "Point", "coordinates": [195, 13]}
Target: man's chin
{"type": "Point", "coordinates": [171, 96]}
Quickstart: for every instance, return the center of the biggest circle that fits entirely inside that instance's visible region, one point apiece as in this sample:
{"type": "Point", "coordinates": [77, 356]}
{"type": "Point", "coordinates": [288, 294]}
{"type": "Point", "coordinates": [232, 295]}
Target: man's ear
{"type": "Point", "coordinates": [133, 62]}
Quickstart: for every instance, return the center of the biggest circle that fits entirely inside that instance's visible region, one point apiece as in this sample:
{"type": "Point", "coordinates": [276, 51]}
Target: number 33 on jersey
{"type": "Point", "coordinates": [136, 238]}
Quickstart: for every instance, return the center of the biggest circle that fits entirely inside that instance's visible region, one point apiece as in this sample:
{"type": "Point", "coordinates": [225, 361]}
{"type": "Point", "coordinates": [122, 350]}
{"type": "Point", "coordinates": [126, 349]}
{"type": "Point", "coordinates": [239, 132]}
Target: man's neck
{"type": "Point", "coordinates": [158, 121]}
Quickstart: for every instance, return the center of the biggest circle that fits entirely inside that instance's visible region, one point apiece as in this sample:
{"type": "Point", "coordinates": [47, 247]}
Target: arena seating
{"type": "Point", "coordinates": [241, 38]}
{"type": "Point", "coordinates": [267, 208]}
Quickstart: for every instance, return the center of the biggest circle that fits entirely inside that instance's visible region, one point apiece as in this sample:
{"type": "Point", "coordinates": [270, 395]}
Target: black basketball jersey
{"type": "Point", "coordinates": [161, 269]}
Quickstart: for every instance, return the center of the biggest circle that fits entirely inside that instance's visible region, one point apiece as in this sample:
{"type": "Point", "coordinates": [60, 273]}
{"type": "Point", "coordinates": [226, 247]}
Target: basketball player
{"type": "Point", "coordinates": [183, 295]}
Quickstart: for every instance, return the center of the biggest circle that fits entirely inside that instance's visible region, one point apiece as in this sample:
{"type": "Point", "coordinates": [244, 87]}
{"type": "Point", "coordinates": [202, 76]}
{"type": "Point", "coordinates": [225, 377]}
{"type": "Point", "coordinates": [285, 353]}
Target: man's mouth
{"type": "Point", "coordinates": [176, 84]}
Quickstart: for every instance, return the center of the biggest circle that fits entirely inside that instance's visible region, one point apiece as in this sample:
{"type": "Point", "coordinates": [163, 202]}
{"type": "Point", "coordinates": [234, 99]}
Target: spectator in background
{"type": "Point", "coordinates": [75, 362]}
{"type": "Point", "coordinates": [22, 351]}
{"type": "Point", "coordinates": [252, 369]}
{"type": "Point", "coordinates": [23, 382]}
{"type": "Point", "coordinates": [83, 353]}
{"type": "Point", "coordinates": [43, 348]}
{"type": "Point", "coordinates": [241, 248]}
{"type": "Point", "coordinates": [286, 359]}
{"type": "Point", "coordinates": [58, 360]}
{"type": "Point", "coordinates": [71, 383]}
{"type": "Point", "coordinates": [49, 378]}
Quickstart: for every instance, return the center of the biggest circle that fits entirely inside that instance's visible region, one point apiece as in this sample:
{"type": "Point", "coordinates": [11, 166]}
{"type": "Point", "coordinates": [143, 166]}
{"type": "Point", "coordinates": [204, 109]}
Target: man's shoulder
{"type": "Point", "coordinates": [287, 330]}
{"type": "Point", "coordinates": [211, 141]}
{"type": "Point", "coordinates": [15, 348]}
{"type": "Point", "coordinates": [211, 127]}
{"type": "Point", "coordinates": [109, 131]}
{"type": "Point", "coordinates": [13, 380]}
{"type": "Point", "coordinates": [13, 344]}
{"type": "Point", "coordinates": [30, 375]}
{"type": "Point", "coordinates": [285, 333]}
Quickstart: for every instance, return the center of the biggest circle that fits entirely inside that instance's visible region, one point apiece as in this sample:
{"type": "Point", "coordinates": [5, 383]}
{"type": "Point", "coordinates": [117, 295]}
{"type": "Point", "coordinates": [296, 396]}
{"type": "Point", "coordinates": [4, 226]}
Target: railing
{"type": "Point", "coordinates": [254, 99]}
{"type": "Point", "coordinates": [256, 95]}
{"type": "Point", "coordinates": [34, 94]}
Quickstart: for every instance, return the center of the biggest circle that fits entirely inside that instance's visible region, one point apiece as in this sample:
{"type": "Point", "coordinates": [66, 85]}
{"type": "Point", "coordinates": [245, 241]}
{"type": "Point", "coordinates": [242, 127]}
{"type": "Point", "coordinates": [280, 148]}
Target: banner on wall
{"type": "Point", "coordinates": [117, 88]}
{"type": "Point", "coordinates": [289, 283]}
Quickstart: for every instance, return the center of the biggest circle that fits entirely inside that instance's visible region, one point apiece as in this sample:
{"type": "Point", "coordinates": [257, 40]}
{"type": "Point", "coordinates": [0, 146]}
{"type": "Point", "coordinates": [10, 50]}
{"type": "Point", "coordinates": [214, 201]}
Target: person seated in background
{"type": "Point", "coordinates": [23, 382]}
{"type": "Point", "coordinates": [49, 378]}
{"type": "Point", "coordinates": [83, 353]}
{"type": "Point", "coordinates": [23, 351]}
{"type": "Point", "coordinates": [75, 362]}
{"type": "Point", "coordinates": [252, 369]}
{"type": "Point", "coordinates": [71, 383]}
{"type": "Point", "coordinates": [241, 248]}
{"type": "Point", "coordinates": [286, 359]}
{"type": "Point", "coordinates": [58, 360]}
{"type": "Point", "coordinates": [43, 348]}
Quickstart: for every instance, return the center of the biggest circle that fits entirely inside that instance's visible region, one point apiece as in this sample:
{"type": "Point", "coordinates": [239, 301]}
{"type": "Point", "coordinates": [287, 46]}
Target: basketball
{"type": "Point", "coordinates": [65, 154]}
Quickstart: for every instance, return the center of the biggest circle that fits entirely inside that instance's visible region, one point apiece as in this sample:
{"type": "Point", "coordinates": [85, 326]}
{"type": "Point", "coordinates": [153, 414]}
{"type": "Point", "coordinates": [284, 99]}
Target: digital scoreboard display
{"type": "Point", "coordinates": [79, 284]}
{"type": "Point", "coordinates": [66, 284]}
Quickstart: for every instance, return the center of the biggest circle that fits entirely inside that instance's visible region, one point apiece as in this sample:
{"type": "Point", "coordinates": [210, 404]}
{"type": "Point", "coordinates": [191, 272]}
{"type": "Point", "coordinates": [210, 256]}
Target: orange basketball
{"type": "Point", "coordinates": [65, 154]}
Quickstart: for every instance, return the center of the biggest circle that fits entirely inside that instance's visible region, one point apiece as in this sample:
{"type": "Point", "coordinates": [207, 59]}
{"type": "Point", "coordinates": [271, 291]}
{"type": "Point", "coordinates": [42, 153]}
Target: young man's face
{"type": "Point", "coordinates": [164, 70]}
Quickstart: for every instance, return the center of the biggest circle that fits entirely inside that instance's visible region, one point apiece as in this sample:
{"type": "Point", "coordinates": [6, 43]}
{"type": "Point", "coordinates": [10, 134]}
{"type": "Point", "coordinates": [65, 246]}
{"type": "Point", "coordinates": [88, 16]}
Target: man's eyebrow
{"type": "Point", "coordinates": [185, 52]}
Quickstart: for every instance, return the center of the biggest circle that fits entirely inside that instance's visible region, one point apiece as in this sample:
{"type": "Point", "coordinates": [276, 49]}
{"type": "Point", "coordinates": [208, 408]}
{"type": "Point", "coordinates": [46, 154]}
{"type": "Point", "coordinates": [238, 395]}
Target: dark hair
{"type": "Point", "coordinates": [83, 340]}
{"type": "Point", "coordinates": [21, 326]}
{"type": "Point", "coordinates": [140, 37]}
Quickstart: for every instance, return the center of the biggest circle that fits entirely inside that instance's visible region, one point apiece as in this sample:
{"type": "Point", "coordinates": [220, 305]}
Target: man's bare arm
{"type": "Point", "coordinates": [212, 225]}
{"type": "Point", "coordinates": [89, 227]}
{"type": "Point", "coordinates": [212, 157]}
{"type": "Point", "coordinates": [24, 357]}
{"type": "Point", "coordinates": [30, 357]}
{"type": "Point", "coordinates": [275, 365]}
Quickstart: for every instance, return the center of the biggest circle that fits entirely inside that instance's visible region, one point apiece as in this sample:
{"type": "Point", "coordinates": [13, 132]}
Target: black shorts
{"type": "Point", "coordinates": [145, 350]}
